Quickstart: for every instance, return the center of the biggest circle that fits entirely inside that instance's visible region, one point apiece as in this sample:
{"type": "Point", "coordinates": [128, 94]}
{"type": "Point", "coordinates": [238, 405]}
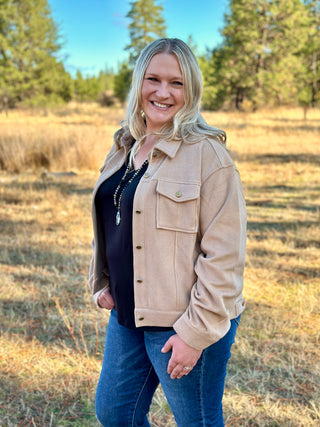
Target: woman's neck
{"type": "Point", "coordinates": [144, 150]}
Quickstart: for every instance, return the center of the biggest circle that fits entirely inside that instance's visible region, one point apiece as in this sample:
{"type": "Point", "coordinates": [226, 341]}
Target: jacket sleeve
{"type": "Point", "coordinates": [91, 278]}
{"type": "Point", "coordinates": [91, 269]}
{"type": "Point", "coordinates": [97, 285]}
{"type": "Point", "coordinates": [216, 297]}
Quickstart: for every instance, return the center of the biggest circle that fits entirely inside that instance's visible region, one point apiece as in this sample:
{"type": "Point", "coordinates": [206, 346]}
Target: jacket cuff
{"type": "Point", "coordinates": [194, 338]}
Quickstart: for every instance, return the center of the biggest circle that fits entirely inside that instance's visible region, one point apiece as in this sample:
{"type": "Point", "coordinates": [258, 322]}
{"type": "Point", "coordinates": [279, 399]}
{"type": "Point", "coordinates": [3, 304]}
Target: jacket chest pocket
{"type": "Point", "coordinates": [177, 206]}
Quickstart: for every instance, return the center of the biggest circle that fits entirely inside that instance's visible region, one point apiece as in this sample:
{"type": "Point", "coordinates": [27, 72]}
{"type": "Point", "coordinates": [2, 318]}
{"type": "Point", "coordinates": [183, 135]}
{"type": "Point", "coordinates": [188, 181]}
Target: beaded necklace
{"type": "Point", "coordinates": [116, 203]}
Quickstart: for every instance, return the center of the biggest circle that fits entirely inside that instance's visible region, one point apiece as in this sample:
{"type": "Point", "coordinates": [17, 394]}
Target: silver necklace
{"type": "Point", "coordinates": [116, 203]}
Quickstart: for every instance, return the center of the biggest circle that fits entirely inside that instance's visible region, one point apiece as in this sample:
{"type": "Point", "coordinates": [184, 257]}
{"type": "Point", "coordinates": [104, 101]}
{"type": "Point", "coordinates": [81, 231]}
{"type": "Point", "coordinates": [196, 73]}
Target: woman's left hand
{"type": "Point", "coordinates": [183, 357]}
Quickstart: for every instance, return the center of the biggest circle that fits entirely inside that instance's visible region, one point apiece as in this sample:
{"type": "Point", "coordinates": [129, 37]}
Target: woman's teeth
{"type": "Point", "coordinates": [157, 104]}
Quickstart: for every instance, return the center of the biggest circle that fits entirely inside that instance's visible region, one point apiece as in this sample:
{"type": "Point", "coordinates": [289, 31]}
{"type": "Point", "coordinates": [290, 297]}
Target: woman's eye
{"type": "Point", "coordinates": [152, 79]}
{"type": "Point", "coordinates": [178, 83]}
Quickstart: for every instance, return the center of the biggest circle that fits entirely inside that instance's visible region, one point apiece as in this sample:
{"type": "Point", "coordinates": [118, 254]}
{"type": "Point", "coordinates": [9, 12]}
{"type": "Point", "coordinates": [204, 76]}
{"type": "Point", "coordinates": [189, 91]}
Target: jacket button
{"type": "Point", "coordinates": [139, 247]}
{"type": "Point", "coordinates": [139, 280]}
{"type": "Point", "coordinates": [146, 175]}
{"type": "Point", "coordinates": [141, 318]}
{"type": "Point", "coordinates": [178, 194]}
{"type": "Point", "coordinates": [138, 211]}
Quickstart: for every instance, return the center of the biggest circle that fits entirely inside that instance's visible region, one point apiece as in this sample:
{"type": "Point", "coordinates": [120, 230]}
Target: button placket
{"type": "Point", "coordinates": [138, 211]}
{"type": "Point", "coordinates": [138, 239]}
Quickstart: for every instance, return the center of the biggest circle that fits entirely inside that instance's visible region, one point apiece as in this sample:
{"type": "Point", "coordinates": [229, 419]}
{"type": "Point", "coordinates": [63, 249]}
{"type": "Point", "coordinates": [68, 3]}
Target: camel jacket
{"type": "Point", "coordinates": [189, 237]}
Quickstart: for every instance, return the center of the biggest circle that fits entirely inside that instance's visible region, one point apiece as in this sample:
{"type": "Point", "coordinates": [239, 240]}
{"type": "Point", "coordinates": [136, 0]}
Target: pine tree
{"type": "Point", "coordinates": [260, 56]}
{"type": "Point", "coordinates": [285, 68]}
{"type": "Point", "coordinates": [146, 24]}
{"type": "Point", "coordinates": [80, 87]}
{"type": "Point", "coordinates": [122, 81]}
{"type": "Point", "coordinates": [309, 92]}
{"type": "Point", "coordinates": [29, 44]}
{"type": "Point", "coordinates": [215, 91]}
{"type": "Point", "coordinates": [106, 79]}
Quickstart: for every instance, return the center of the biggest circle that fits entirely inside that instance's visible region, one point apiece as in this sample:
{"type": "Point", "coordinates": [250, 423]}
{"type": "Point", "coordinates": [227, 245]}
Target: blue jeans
{"type": "Point", "coordinates": [133, 366]}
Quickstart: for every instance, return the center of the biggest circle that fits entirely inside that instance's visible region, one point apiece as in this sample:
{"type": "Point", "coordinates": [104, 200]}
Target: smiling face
{"type": "Point", "coordinates": [162, 91]}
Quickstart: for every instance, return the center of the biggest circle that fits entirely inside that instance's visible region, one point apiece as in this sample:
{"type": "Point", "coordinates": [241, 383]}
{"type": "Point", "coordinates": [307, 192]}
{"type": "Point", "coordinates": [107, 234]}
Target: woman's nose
{"type": "Point", "coordinates": [162, 91]}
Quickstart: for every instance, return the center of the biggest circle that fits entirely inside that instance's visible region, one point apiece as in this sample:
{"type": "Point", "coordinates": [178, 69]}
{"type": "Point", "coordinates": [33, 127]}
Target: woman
{"type": "Point", "coordinates": [169, 225]}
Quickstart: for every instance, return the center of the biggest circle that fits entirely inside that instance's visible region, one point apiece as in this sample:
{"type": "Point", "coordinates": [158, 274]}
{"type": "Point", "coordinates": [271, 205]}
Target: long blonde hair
{"type": "Point", "coordinates": [188, 121]}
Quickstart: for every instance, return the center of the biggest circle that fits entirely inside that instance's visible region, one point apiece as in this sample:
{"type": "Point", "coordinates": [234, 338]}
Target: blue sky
{"type": "Point", "coordinates": [95, 32]}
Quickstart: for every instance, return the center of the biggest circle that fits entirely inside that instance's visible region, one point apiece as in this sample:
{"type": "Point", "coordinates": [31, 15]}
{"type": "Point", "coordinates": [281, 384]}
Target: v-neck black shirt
{"type": "Point", "coordinates": [118, 241]}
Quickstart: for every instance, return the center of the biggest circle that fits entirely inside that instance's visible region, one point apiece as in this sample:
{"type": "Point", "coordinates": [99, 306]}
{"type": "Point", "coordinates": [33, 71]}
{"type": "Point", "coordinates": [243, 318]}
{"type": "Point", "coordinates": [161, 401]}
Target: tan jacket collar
{"type": "Point", "coordinates": [170, 148]}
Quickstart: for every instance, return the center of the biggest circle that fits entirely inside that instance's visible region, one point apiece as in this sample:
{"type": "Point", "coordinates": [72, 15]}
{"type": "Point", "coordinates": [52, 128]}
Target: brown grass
{"type": "Point", "coordinates": [52, 337]}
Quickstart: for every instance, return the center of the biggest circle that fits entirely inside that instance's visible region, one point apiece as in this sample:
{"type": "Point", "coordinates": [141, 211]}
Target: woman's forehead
{"type": "Point", "coordinates": [164, 62]}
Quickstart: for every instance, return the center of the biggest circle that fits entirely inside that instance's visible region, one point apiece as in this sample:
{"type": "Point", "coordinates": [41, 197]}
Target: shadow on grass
{"type": "Point", "coordinates": [288, 120]}
{"type": "Point", "coordinates": [281, 158]}
{"type": "Point", "coordinates": [311, 125]}
{"type": "Point", "coordinates": [281, 226]}
{"type": "Point", "coordinates": [268, 203]}
{"type": "Point", "coordinates": [54, 261]}
{"type": "Point", "coordinates": [58, 184]}
{"type": "Point", "coordinates": [259, 256]}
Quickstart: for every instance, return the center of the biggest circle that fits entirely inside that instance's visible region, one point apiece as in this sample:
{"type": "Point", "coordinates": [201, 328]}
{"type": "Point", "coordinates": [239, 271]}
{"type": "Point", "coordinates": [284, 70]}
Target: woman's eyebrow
{"type": "Point", "coordinates": [156, 75]}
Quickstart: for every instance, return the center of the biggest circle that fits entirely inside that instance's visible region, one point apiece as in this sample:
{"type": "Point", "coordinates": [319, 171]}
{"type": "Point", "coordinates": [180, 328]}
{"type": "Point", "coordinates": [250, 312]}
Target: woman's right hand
{"type": "Point", "coordinates": [105, 300]}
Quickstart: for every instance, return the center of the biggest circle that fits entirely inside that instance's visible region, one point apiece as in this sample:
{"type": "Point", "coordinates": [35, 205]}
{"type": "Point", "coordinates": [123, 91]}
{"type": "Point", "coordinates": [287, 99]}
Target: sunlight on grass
{"type": "Point", "coordinates": [52, 337]}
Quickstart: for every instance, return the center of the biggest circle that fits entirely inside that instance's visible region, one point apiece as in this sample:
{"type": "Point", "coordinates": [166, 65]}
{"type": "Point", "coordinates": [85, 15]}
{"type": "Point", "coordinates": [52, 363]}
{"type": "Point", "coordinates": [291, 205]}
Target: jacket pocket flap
{"type": "Point", "coordinates": [178, 191]}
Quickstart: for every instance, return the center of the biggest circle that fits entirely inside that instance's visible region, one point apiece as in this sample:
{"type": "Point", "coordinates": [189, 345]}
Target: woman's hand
{"type": "Point", "coordinates": [183, 356]}
{"type": "Point", "coordinates": [105, 300]}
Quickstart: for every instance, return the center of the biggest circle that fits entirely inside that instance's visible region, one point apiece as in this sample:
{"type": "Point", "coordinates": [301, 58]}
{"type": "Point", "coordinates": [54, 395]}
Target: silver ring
{"type": "Point", "coordinates": [187, 368]}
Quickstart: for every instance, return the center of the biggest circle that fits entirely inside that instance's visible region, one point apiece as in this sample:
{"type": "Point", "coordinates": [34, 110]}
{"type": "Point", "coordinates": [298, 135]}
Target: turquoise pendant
{"type": "Point", "coordinates": [118, 218]}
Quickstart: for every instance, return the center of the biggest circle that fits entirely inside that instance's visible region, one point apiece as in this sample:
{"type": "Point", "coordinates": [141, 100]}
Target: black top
{"type": "Point", "coordinates": [118, 241]}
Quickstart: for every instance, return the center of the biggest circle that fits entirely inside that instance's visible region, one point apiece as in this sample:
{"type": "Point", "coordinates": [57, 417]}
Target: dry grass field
{"type": "Point", "coordinates": [52, 337]}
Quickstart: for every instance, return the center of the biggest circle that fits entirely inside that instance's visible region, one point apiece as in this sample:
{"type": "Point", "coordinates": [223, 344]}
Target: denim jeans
{"type": "Point", "coordinates": [133, 366]}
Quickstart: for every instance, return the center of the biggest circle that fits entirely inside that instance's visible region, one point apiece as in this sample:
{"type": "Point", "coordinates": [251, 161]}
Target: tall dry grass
{"type": "Point", "coordinates": [67, 138]}
{"type": "Point", "coordinates": [52, 337]}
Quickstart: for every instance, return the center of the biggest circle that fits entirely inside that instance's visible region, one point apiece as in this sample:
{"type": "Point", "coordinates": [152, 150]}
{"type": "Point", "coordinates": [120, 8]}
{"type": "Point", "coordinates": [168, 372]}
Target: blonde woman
{"type": "Point", "coordinates": [169, 222]}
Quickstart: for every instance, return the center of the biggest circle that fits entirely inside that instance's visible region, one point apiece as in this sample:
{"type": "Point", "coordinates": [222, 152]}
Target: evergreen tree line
{"type": "Point", "coordinates": [269, 55]}
{"type": "Point", "coordinates": [32, 72]}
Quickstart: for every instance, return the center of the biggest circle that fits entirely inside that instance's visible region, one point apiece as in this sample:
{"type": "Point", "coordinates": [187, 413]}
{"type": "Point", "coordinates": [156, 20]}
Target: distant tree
{"type": "Point", "coordinates": [146, 24]}
{"type": "Point", "coordinates": [260, 58]}
{"type": "Point", "coordinates": [192, 44]}
{"type": "Point", "coordinates": [284, 69]}
{"type": "Point", "coordinates": [215, 92]}
{"type": "Point", "coordinates": [29, 45]}
{"type": "Point", "coordinates": [93, 88]}
{"type": "Point", "coordinates": [105, 80]}
{"type": "Point", "coordinates": [309, 93]}
{"type": "Point", "coordinates": [54, 84]}
{"type": "Point", "coordinates": [122, 81]}
{"type": "Point", "coordinates": [80, 87]}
